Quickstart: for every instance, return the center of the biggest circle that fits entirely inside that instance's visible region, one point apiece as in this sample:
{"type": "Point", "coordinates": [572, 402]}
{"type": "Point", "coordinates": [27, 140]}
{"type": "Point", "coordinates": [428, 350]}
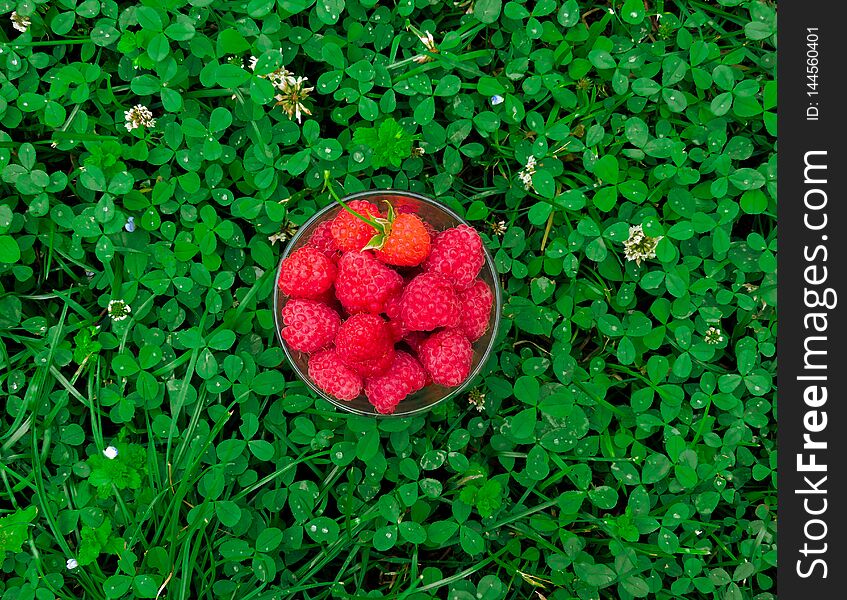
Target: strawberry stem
{"type": "Point", "coordinates": [328, 186]}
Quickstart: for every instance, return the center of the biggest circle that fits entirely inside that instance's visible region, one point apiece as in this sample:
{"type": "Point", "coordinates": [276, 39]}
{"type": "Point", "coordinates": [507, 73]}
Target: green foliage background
{"type": "Point", "coordinates": [618, 454]}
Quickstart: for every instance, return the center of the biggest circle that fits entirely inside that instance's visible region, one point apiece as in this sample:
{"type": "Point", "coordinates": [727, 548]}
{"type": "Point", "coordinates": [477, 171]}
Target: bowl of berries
{"type": "Point", "coordinates": [387, 303]}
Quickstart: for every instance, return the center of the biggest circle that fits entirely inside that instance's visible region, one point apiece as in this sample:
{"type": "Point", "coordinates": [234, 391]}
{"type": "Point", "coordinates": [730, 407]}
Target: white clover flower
{"type": "Point", "coordinates": [525, 174]}
{"type": "Point", "coordinates": [639, 246]}
{"type": "Point", "coordinates": [498, 228]}
{"type": "Point", "coordinates": [713, 336]}
{"type": "Point", "coordinates": [138, 116]}
{"type": "Point", "coordinates": [293, 92]}
{"type": "Point", "coordinates": [111, 453]}
{"type": "Point", "coordinates": [71, 564]}
{"type": "Point", "coordinates": [465, 3]}
{"type": "Point", "coordinates": [496, 99]}
{"type": "Point", "coordinates": [19, 22]}
{"type": "Point", "coordinates": [118, 310]}
{"type": "Point", "coordinates": [477, 399]}
{"type": "Point", "coordinates": [280, 78]}
{"type": "Point", "coordinates": [418, 151]}
{"type": "Point", "coordinates": [429, 43]}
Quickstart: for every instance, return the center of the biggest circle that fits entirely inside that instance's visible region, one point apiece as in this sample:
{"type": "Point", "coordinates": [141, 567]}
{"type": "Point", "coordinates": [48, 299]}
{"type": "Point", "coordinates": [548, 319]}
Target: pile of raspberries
{"type": "Point", "coordinates": [387, 320]}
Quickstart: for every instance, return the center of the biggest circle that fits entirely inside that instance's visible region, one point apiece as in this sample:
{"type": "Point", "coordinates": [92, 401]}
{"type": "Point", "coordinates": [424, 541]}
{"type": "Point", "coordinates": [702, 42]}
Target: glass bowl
{"type": "Point", "coordinates": [440, 217]}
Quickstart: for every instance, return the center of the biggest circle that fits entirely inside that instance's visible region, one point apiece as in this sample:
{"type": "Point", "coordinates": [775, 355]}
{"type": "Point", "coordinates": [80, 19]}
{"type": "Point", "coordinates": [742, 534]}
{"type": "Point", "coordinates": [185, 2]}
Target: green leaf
{"type": "Point", "coordinates": [487, 11]}
{"type": "Point", "coordinates": [632, 11]}
{"type": "Point", "coordinates": [323, 530]}
{"type": "Point", "coordinates": [10, 252]}
{"type": "Point", "coordinates": [14, 529]}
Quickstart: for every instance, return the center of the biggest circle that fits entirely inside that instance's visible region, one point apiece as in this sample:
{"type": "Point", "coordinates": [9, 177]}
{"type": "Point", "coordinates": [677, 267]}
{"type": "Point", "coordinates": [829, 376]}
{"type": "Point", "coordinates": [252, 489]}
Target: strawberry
{"type": "Point", "coordinates": [475, 307]}
{"type": "Point", "coordinates": [363, 336]}
{"type": "Point", "coordinates": [407, 243]}
{"type": "Point", "coordinates": [351, 234]}
{"type": "Point", "coordinates": [405, 376]}
{"type": "Point", "coordinates": [309, 325]}
{"type": "Point", "coordinates": [307, 273]}
{"type": "Point", "coordinates": [456, 254]}
{"type": "Point", "coordinates": [331, 375]}
{"type": "Point", "coordinates": [364, 284]}
{"type": "Point", "coordinates": [429, 302]}
{"type": "Point", "coordinates": [447, 356]}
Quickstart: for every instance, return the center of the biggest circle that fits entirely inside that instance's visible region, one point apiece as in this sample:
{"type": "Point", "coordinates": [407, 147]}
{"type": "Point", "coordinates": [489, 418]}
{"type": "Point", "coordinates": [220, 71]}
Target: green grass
{"type": "Point", "coordinates": [626, 443]}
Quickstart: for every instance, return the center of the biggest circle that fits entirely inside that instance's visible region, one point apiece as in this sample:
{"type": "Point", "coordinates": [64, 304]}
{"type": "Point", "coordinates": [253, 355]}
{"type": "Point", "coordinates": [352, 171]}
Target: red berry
{"type": "Point", "coordinates": [364, 284]}
{"type": "Point", "coordinates": [322, 239]}
{"type": "Point", "coordinates": [405, 376]}
{"type": "Point", "coordinates": [350, 232]}
{"type": "Point", "coordinates": [309, 325]}
{"type": "Point", "coordinates": [307, 273]}
{"type": "Point", "coordinates": [429, 302]}
{"type": "Point", "coordinates": [404, 205]}
{"type": "Point", "coordinates": [363, 337]}
{"type": "Point", "coordinates": [475, 306]}
{"type": "Point", "coordinates": [447, 356]}
{"type": "Point", "coordinates": [373, 366]}
{"type": "Point", "coordinates": [331, 375]}
{"type": "Point", "coordinates": [431, 231]}
{"type": "Point", "coordinates": [457, 254]}
{"type": "Point", "coordinates": [408, 243]}
{"type": "Point", "coordinates": [409, 370]}
{"type": "Point", "coordinates": [414, 339]}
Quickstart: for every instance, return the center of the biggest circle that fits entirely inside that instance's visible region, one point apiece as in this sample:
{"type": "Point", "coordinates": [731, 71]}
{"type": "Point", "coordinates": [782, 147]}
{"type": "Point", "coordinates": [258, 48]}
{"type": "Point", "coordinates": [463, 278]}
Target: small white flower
{"type": "Point", "coordinates": [495, 100]}
{"type": "Point", "coordinates": [639, 246]}
{"type": "Point", "coordinates": [251, 62]}
{"type": "Point", "coordinates": [138, 116]}
{"type": "Point", "coordinates": [130, 224]}
{"type": "Point", "coordinates": [118, 310]}
{"type": "Point", "coordinates": [429, 43]}
{"type": "Point", "coordinates": [698, 531]}
{"type": "Point", "coordinates": [498, 228]}
{"type": "Point", "coordinates": [111, 453]}
{"type": "Point", "coordinates": [19, 22]}
{"type": "Point", "coordinates": [418, 151]}
{"type": "Point", "coordinates": [71, 563]}
{"type": "Point", "coordinates": [293, 93]}
{"type": "Point", "coordinates": [477, 399]}
{"type": "Point", "coordinates": [525, 174]}
{"type": "Point", "coordinates": [713, 336]}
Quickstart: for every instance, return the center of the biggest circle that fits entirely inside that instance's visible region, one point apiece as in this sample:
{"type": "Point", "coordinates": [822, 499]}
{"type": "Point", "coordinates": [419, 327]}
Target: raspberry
{"type": "Point", "coordinates": [322, 239]}
{"type": "Point", "coordinates": [431, 231]}
{"type": "Point", "coordinates": [414, 339]}
{"type": "Point", "coordinates": [392, 307]}
{"type": "Point", "coordinates": [364, 284]}
{"type": "Point", "coordinates": [409, 370]}
{"type": "Point", "coordinates": [405, 376]}
{"type": "Point", "coordinates": [404, 205]}
{"type": "Point", "coordinates": [373, 366]}
{"type": "Point", "coordinates": [457, 254]}
{"type": "Point", "coordinates": [362, 337]}
{"type": "Point", "coordinates": [307, 273]}
{"type": "Point", "coordinates": [428, 302]}
{"type": "Point", "coordinates": [349, 231]}
{"type": "Point", "coordinates": [475, 307]}
{"type": "Point", "coordinates": [310, 325]}
{"type": "Point", "coordinates": [395, 322]}
{"type": "Point", "coordinates": [447, 356]}
{"type": "Point", "coordinates": [408, 243]}
{"type": "Point", "coordinates": [331, 375]}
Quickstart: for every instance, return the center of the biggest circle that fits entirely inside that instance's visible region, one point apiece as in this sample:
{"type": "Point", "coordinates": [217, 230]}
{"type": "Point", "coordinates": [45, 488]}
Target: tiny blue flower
{"type": "Point", "coordinates": [130, 224]}
{"type": "Point", "coordinates": [495, 100]}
